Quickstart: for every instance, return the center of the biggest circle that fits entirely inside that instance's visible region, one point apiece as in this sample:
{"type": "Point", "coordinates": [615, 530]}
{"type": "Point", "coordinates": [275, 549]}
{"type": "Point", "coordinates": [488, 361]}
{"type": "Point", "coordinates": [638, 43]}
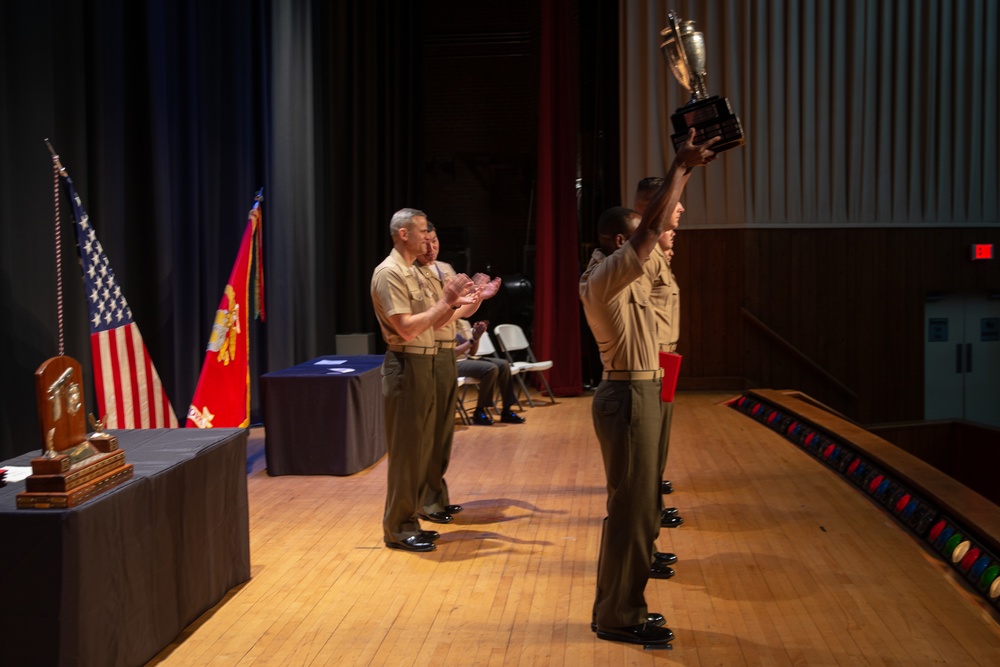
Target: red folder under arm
{"type": "Point", "coordinates": [670, 362]}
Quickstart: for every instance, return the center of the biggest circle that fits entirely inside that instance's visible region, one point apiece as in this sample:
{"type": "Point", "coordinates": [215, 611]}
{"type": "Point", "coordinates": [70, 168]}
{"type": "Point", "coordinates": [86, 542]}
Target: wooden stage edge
{"type": "Point", "coordinates": [957, 524]}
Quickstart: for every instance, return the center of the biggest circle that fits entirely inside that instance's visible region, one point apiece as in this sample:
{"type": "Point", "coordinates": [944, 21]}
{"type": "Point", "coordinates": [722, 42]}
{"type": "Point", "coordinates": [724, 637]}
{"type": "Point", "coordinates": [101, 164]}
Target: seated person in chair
{"type": "Point", "coordinates": [490, 371]}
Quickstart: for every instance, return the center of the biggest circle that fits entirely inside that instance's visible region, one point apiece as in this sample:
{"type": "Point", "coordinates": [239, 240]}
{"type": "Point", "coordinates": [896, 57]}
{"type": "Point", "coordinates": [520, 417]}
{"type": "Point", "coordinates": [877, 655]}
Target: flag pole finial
{"type": "Point", "coordinates": [55, 158]}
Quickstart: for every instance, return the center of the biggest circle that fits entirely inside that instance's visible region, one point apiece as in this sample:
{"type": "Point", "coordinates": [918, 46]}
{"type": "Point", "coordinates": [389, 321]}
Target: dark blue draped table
{"type": "Point", "coordinates": [115, 580]}
{"type": "Point", "coordinates": [324, 416]}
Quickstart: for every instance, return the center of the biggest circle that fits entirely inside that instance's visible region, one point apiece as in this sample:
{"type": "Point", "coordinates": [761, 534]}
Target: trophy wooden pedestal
{"type": "Point", "coordinates": [57, 483]}
{"type": "Point", "coordinates": [74, 467]}
{"type": "Point", "coordinates": [713, 117]}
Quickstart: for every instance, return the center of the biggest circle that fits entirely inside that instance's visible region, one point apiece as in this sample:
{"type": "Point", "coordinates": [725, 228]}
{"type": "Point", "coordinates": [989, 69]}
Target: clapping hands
{"type": "Point", "coordinates": [488, 288]}
{"type": "Point", "coordinates": [479, 328]}
{"type": "Point", "coordinates": [459, 290]}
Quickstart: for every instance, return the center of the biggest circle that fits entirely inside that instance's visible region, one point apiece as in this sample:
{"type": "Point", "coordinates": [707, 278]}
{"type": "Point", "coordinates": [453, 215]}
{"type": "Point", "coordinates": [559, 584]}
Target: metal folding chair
{"type": "Point", "coordinates": [487, 349]}
{"type": "Point", "coordinates": [511, 338]}
{"type": "Point", "coordinates": [463, 386]}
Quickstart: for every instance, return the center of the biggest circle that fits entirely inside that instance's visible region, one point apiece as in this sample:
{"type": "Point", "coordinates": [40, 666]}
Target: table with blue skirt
{"type": "Point", "coordinates": [324, 416]}
{"type": "Point", "coordinates": [114, 580]}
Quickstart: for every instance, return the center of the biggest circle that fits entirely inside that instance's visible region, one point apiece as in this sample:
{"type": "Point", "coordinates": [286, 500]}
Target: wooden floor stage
{"type": "Point", "coordinates": [782, 562]}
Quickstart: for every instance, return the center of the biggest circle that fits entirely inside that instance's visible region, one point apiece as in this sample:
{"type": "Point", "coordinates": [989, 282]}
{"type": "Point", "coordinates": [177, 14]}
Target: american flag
{"type": "Point", "coordinates": [129, 392]}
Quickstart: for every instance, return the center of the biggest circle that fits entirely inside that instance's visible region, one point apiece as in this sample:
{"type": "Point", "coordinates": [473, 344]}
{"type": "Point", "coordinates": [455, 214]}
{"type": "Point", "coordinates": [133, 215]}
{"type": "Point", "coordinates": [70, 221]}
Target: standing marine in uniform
{"type": "Point", "coordinates": [664, 297]}
{"type": "Point", "coordinates": [435, 502]}
{"type": "Point", "coordinates": [407, 312]}
{"type": "Point", "coordinates": [626, 408]}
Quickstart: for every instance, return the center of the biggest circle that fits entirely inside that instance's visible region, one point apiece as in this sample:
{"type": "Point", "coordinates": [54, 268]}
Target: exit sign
{"type": "Point", "coordinates": [982, 251]}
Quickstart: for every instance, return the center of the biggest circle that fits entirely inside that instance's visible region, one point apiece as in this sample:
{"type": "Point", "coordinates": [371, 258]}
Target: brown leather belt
{"type": "Point", "coordinates": [633, 375]}
{"type": "Point", "coordinates": [413, 349]}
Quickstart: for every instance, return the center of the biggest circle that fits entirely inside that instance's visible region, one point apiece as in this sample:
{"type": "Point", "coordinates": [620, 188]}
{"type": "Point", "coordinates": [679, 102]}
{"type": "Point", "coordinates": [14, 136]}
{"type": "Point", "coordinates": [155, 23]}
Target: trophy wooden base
{"type": "Point", "coordinates": [77, 476]}
{"type": "Point", "coordinates": [57, 482]}
{"type": "Point", "coordinates": [710, 118]}
{"type": "Point", "coordinates": [79, 495]}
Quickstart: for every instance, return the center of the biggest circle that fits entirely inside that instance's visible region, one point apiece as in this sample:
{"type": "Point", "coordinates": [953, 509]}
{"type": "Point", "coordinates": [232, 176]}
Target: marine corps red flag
{"type": "Point", "coordinates": [222, 398]}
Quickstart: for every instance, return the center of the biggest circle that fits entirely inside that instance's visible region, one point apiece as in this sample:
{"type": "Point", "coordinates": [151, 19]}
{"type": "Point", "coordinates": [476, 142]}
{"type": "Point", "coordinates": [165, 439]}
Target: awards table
{"type": "Point", "coordinates": [325, 416]}
{"type": "Point", "coordinates": [116, 579]}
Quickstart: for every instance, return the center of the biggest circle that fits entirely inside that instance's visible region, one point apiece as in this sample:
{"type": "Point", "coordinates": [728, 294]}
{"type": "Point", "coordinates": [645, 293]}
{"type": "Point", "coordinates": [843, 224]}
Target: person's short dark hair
{"type": "Point", "coordinates": [431, 227]}
{"type": "Point", "coordinates": [645, 190]}
{"type": "Point", "coordinates": [649, 185]}
{"type": "Point", "coordinates": [616, 220]}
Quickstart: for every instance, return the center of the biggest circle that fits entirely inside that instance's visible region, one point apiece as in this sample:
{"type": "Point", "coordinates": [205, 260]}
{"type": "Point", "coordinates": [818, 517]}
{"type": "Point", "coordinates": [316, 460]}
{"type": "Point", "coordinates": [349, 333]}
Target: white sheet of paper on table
{"type": "Point", "coordinates": [17, 473]}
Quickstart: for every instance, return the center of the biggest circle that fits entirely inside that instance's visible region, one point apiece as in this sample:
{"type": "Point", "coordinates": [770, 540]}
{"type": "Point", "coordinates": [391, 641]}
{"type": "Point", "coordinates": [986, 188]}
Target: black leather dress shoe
{"type": "Point", "coordinates": [637, 634]}
{"type": "Point", "coordinates": [438, 517]}
{"type": "Point", "coordinates": [660, 571]}
{"type": "Point", "coordinates": [452, 509]}
{"type": "Point", "coordinates": [428, 535]}
{"type": "Point", "coordinates": [652, 618]}
{"type": "Point", "coordinates": [665, 557]}
{"type": "Point", "coordinates": [671, 521]}
{"type": "Point", "coordinates": [668, 512]}
{"type": "Point", "coordinates": [509, 417]}
{"type": "Point", "coordinates": [480, 418]}
{"type": "Point", "coordinates": [666, 486]}
{"type": "Point", "coordinates": [414, 543]}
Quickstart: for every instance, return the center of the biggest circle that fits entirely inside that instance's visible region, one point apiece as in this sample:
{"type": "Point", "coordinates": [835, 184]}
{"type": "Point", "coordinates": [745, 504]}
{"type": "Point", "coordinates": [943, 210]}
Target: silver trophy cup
{"type": "Point", "coordinates": [684, 49]}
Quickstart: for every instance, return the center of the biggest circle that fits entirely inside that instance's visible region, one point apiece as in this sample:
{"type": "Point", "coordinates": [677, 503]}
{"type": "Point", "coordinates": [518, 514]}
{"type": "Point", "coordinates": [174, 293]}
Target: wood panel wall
{"type": "Point", "coordinates": [850, 300]}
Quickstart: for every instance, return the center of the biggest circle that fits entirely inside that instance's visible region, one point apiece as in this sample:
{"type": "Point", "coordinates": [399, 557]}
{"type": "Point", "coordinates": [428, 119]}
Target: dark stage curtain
{"type": "Point", "coordinates": [599, 144]}
{"type": "Point", "coordinates": [156, 110]}
{"type": "Point", "coordinates": [169, 115]}
{"type": "Point", "coordinates": [557, 270]}
{"type": "Point", "coordinates": [346, 84]}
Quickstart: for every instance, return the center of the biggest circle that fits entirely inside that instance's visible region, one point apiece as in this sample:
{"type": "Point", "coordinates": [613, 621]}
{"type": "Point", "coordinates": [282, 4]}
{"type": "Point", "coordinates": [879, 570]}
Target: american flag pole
{"type": "Point", "coordinates": [57, 171]}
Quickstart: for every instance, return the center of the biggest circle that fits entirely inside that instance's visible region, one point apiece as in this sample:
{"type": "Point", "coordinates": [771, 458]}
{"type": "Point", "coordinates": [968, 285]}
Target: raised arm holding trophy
{"type": "Point", "coordinates": [712, 116]}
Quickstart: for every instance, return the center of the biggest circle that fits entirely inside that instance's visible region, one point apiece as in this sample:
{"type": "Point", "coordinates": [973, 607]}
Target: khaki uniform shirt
{"type": "Point", "coordinates": [615, 296]}
{"type": "Point", "coordinates": [666, 299]}
{"type": "Point", "coordinates": [398, 288]}
{"type": "Point", "coordinates": [463, 333]}
{"type": "Point", "coordinates": [436, 276]}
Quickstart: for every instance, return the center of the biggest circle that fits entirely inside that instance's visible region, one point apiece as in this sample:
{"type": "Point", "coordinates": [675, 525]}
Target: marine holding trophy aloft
{"type": "Point", "coordinates": [710, 116]}
{"type": "Point", "coordinates": [614, 291]}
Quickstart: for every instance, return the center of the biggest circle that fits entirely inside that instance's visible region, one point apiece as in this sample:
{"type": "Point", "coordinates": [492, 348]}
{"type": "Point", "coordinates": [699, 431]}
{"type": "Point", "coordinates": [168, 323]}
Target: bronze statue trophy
{"type": "Point", "coordinates": [73, 467]}
{"type": "Point", "coordinates": [684, 49]}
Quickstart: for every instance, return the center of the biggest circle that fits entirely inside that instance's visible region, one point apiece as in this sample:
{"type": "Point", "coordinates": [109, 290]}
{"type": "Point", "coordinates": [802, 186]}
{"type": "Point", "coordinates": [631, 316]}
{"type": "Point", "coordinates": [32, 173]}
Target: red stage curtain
{"type": "Point", "coordinates": [556, 331]}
